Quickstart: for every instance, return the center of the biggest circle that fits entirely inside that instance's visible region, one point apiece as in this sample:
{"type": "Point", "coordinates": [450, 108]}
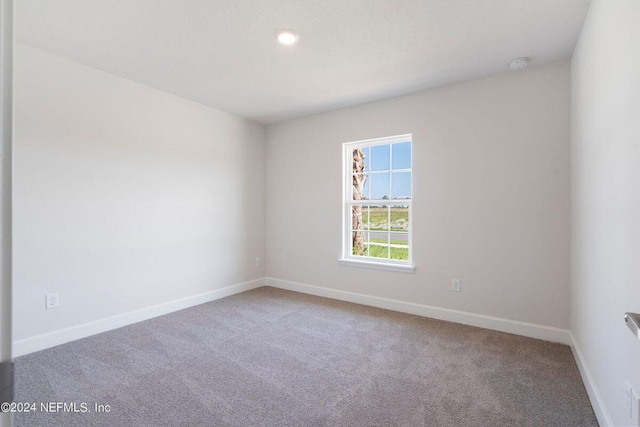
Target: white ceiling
{"type": "Point", "coordinates": [223, 53]}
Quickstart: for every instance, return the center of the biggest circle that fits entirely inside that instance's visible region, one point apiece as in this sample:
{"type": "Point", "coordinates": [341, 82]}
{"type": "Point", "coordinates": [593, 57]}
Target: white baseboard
{"type": "Point", "coordinates": [531, 330]}
{"type": "Point", "coordinates": [594, 395]}
{"type": "Point", "coordinates": [61, 336]}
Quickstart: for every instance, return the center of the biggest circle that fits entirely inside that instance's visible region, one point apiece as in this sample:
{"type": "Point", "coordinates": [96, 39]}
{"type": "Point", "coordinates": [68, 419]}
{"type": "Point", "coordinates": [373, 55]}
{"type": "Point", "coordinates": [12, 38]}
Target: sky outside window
{"type": "Point", "coordinates": [396, 185]}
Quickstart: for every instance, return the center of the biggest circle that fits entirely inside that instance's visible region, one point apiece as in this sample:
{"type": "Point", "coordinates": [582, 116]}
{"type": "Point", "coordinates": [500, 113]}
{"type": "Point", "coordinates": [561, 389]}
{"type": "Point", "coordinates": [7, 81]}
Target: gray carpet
{"type": "Point", "coordinates": [275, 358]}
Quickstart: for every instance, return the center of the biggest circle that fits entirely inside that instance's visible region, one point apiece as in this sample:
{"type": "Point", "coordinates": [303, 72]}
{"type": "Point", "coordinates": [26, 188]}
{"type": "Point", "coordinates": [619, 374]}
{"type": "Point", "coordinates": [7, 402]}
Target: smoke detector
{"type": "Point", "coordinates": [519, 63]}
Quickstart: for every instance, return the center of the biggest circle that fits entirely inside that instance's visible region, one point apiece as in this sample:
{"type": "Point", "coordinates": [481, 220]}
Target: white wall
{"type": "Point", "coordinates": [491, 196]}
{"type": "Point", "coordinates": [606, 197]}
{"type": "Point", "coordinates": [125, 196]}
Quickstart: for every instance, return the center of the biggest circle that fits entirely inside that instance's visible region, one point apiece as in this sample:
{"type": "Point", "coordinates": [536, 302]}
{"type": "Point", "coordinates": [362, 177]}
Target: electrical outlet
{"type": "Point", "coordinates": [632, 404]}
{"type": "Point", "coordinates": [455, 285]}
{"type": "Point", "coordinates": [51, 301]}
{"type": "Point", "coordinates": [258, 261]}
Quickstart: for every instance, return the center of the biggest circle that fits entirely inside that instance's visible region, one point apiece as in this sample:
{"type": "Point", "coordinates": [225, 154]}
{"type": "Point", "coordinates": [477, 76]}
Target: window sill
{"type": "Point", "coordinates": [398, 268]}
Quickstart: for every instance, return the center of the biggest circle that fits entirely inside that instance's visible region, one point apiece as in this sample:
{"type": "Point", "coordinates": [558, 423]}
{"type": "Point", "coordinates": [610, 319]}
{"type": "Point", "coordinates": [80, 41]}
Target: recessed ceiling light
{"type": "Point", "coordinates": [519, 63]}
{"type": "Point", "coordinates": [287, 37]}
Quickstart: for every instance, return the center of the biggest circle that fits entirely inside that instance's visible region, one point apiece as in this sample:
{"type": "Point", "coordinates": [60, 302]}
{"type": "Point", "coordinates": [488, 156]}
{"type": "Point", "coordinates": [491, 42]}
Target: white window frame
{"type": "Point", "coordinates": [404, 266]}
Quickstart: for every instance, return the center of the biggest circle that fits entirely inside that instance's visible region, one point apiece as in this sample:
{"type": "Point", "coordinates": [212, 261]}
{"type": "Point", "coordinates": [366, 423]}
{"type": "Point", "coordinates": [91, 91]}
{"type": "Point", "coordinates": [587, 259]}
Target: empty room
{"type": "Point", "coordinates": [320, 213]}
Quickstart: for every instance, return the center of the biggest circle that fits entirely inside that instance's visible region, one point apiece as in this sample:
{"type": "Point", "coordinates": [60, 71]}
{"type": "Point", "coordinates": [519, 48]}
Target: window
{"type": "Point", "coordinates": [377, 203]}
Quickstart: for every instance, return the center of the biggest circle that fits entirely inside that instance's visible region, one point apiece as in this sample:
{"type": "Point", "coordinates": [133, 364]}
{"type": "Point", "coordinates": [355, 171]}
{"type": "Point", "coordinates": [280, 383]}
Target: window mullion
{"type": "Point", "coordinates": [389, 232]}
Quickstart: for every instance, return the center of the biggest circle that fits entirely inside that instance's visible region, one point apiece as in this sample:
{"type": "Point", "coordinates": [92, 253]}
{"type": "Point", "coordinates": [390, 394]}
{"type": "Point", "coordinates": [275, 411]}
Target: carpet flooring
{"type": "Point", "coordinates": [270, 357]}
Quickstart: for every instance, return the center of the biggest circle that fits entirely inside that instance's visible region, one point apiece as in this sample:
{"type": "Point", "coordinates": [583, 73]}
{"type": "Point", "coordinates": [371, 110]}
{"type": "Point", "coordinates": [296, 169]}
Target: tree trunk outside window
{"type": "Point", "coordinates": [358, 194]}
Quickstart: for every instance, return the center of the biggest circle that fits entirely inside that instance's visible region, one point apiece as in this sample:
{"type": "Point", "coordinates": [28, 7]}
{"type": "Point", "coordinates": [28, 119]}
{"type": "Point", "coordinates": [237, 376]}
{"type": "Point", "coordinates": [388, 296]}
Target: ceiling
{"type": "Point", "coordinates": [223, 53]}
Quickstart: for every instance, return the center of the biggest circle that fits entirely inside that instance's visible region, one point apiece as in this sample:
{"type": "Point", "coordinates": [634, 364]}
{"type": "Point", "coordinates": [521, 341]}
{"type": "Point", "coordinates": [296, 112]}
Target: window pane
{"type": "Point", "coordinates": [367, 158]}
{"type": "Point", "coordinates": [401, 155]}
{"type": "Point", "coordinates": [360, 243]}
{"type": "Point", "coordinates": [360, 162]}
{"type": "Point", "coordinates": [399, 218]}
{"type": "Point", "coordinates": [400, 245]}
{"type": "Point", "coordinates": [379, 218]}
{"type": "Point", "coordinates": [399, 238]}
{"type": "Point", "coordinates": [359, 218]}
{"type": "Point", "coordinates": [401, 185]}
{"type": "Point", "coordinates": [361, 186]}
{"type": "Point", "coordinates": [379, 186]}
{"type": "Point", "coordinates": [379, 250]}
{"type": "Point", "coordinates": [366, 217]}
{"type": "Point", "coordinates": [400, 253]}
{"type": "Point", "coordinates": [379, 237]}
{"type": "Point", "coordinates": [380, 157]}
